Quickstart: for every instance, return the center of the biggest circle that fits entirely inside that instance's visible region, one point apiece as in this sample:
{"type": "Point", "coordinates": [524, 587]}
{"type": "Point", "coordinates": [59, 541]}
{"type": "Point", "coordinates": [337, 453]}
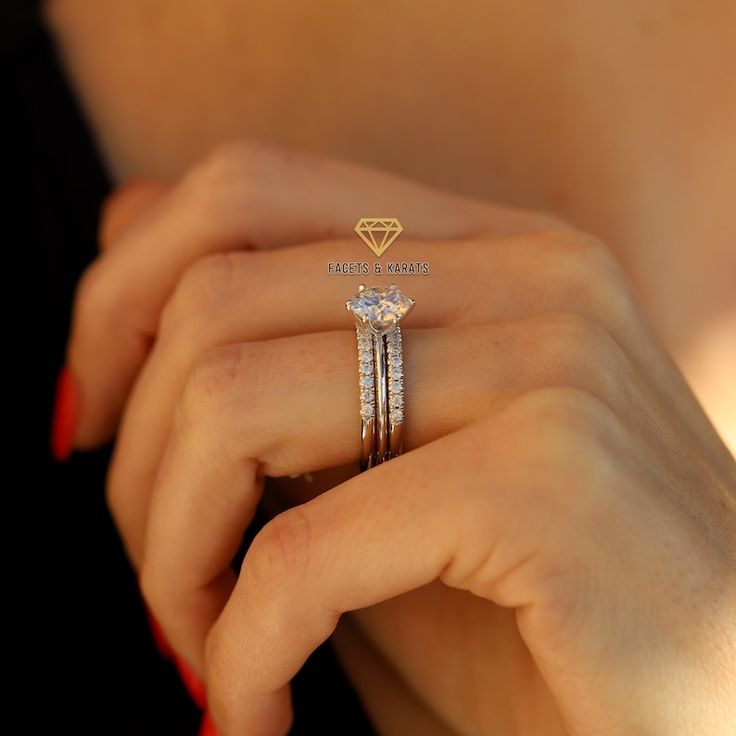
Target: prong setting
{"type": "Point", "coordinates": [378, 308]}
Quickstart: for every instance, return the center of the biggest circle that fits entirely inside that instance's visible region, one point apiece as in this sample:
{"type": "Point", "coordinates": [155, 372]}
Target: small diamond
{"type": "Point", "coordinates": [396, 416]}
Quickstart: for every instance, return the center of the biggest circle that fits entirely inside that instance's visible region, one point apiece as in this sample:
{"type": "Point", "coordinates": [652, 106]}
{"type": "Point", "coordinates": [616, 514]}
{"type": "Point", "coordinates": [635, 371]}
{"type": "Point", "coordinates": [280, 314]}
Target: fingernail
{"type": "Point", "coordinates": [207, 727]}
{"type": "Point", "coordinates": [63, 424]}
{"type": "Point", "coordinates": [192, 683]}
{"type": "Point", "coordinates": [158, 637]}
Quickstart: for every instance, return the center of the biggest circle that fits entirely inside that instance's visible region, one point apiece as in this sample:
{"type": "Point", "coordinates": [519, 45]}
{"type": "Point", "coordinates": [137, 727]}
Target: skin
{"type": "Point", "coordinates": [672, 118]}
{"type": "Point", "coordinates": [560, 536]}
{"type": "Point", "coordinates": [617, 116]}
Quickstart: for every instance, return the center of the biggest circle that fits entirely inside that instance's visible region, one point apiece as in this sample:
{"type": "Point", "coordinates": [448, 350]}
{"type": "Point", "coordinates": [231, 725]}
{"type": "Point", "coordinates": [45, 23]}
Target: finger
{"type": "Point", "coordinates": [270, 409]}
{"type": "Point", "coordinates": [403, 536]}
{"type": "Point", "coordinates": [125, 205]}
{"type": "Point", "coordinates": [244, 196]}
{"type": "Point", "coordinates": [238, 298]}
{"type": "Point", "coordinates": [482, 281]}
{"type": "Point", "coordinates": [509, 509]}
{"type": "Point", "coordinates": [251, 411]}
{"type": "Point", "coordinates": [451, 510]}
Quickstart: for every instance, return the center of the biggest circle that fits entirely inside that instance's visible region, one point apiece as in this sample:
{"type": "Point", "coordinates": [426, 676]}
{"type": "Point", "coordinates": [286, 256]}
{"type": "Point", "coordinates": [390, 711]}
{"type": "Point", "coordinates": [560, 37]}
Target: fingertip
{"type": "Point", "coordinates": [207, 727]}
{"type": "Point", "coordinates": [65, 416]}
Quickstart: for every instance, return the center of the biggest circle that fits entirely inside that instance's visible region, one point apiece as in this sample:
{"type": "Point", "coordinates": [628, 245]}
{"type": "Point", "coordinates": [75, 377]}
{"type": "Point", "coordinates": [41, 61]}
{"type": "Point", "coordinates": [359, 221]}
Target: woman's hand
{"type": "Point", "coordinates": [558, 468]}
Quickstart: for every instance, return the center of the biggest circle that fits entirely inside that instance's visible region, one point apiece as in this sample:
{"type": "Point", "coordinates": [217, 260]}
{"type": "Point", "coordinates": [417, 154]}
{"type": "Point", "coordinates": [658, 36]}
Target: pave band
{"type": "Point", "coordinates": [366, 382]}
{"type": "Point", "coordinates": [395, 362]}
{"type": "Point", "coordinates": [380, 371]}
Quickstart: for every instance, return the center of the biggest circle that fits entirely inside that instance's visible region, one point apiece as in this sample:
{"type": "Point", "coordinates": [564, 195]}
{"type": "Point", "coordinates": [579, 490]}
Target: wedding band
{"type": "Point", "coordinates": [377, 313]}
{"type": "Point", "coordinates": [366, 383]}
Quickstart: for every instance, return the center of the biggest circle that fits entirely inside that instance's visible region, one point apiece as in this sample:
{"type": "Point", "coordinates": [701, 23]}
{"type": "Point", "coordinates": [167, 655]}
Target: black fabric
{"type": "Point", "coordinates": [78, 652]}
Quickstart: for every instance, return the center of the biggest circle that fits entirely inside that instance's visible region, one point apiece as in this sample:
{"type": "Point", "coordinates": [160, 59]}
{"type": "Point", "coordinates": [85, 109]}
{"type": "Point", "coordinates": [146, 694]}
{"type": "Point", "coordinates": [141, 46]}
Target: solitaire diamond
{"type": "Point", "coordinates": [380, 309]}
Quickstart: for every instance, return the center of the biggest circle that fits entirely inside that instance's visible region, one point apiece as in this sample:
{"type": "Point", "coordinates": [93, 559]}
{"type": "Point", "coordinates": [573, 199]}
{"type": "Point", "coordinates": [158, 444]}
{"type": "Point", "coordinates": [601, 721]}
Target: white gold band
{"type": "Point", "coordinates": [380, 371]}
{"type": "Point", "coordinates": [381, 383]}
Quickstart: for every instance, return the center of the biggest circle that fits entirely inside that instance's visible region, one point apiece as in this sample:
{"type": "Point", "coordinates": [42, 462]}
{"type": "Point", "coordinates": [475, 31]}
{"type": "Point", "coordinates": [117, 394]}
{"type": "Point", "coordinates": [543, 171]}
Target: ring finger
{"type": "Point", "coordinates": [240, 297]}
{"type": "Point", "coordinates": [268, 408]}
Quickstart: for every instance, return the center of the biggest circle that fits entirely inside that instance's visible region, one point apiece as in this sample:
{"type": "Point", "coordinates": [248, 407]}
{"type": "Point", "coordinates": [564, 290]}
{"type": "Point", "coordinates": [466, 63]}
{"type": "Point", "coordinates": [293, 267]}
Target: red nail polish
{"type": "Point", "coordinates": [207, 728]}
{"type": "Point", "coordinates": [158, 637]}
{"type": "Point", "coordinates": [64, 421]}
{"type": "Point", "coordinates": [192, 683]}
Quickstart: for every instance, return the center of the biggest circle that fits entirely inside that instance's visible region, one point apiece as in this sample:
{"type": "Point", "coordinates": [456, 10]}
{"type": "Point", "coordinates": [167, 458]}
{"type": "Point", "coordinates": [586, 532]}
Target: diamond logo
{"type": "Point", "coordinates": [378, 232]}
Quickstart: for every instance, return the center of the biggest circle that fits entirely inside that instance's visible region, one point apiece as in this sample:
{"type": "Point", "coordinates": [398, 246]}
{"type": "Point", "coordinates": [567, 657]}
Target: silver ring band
{"type": "Point", "coordinates": [366, 382]}
{"type": "Point", "coordinates": [381, 378]}
{"type": "Point", "coordinates": [395, 362]}
{"type": "Point", "coordinates": [380, 371]}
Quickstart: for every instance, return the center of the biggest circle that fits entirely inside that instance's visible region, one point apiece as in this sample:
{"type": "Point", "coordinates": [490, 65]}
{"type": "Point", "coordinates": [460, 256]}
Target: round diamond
{"type": "Point", "coordinates": [380, 308]}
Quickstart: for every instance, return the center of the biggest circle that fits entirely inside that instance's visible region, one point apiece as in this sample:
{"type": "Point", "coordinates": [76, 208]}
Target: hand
{"type": "Point", "coordinates": [559, 468]}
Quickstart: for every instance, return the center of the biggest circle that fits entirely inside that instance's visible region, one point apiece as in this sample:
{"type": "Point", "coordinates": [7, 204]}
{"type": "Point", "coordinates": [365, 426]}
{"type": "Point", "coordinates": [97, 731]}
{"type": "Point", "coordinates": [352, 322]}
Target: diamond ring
{"type": "Point", "coordinates": [377, 312]}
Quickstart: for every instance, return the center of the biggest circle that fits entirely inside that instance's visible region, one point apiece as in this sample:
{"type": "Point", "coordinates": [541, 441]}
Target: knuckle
{"type": "Point", "coordinates": [576, 336]}
{"type": "Point", "coordinates": [234, 169]}
{"type": "Point", "coordinates": [233, 157]}
{"type": "Point", "coordinates": [577, 246]}
{"type": "Point", "coordinates": [558, 408]}
{"type": "Point", "coordinates": [280, 550]}
{"type": "Point", "coordinates": [578, 352]}
{"type": "Point", "coordinates": [214, 383]}
{"type": "Point", "coordinates": [593, 275]}
{"type": "Point", "coordinates": [203, 292]}
{"type": "Point", "coordinates": [565, 434]}
{"type": "Point", "coordinates": [223, 164]}
{"type": "Point", "coordinates": [229, 188]}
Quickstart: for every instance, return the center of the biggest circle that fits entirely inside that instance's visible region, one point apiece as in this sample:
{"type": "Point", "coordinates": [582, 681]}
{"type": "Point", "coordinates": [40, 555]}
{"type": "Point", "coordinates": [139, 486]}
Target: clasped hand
{"type": "Point", "coordinates": [555, 551]}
